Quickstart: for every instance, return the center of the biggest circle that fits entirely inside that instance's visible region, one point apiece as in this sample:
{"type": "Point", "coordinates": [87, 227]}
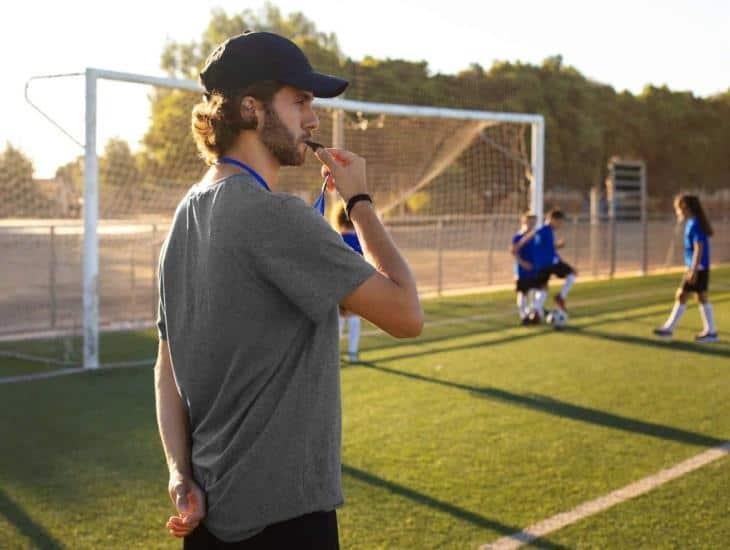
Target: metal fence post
{"type": "Point", "coordinates": [644, 224]}
{"type": "Point", "coordinates": [595, 229]}
{"type": "Point", "coordinates": [338, 128]}
{"type": "Point", "coordinates": [52, 276]}
{"type": "Point", "coordinates": [576, 248]}
{"type": "Point", "coordinates": [155, 267]}
{"type": "Point", "coordinates": [669, 261]}
{"type": "Point", "coordinates": [612, 251]}
{"type": "Point", "coordinates": [133, 277]}
{"type": "Point", "coordinates": [490, 253]}
{"type": "Point", "coordinates": [439, 257]}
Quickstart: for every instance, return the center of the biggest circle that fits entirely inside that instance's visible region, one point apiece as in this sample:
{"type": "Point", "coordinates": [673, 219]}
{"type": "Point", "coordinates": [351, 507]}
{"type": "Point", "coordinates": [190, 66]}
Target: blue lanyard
{"type": "Point", "coordinates": [318, 204]}
{"type": "Point", "coordinates": [261, 181]}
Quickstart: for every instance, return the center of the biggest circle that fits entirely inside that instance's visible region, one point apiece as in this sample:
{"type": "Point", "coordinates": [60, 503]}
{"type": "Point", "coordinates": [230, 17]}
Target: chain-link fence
{"type": "Point", "coordinates": [40, 290]}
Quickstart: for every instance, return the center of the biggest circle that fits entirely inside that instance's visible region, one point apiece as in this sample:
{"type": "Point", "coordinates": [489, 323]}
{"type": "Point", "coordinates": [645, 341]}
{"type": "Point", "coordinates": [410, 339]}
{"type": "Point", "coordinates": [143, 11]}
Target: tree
{"type": "Point", "coordinates": [681, 137]}
{"type": "Point", "coordinates": [15, 166]}
{"type": "Point", "coordinates": [120, 180]}
{"type": "Point", "coordinates": [184, 60]}
{"type": "Point", "coordinates": [70, 178]}
{"type": "Point", "coordinates": [170, 153]}
{"type": "Point", "coordinates": [19, 195]}
{"type": "Point", "coordinates": [72, 174]}
{"type": "Point", "coordinates": [117, 166]}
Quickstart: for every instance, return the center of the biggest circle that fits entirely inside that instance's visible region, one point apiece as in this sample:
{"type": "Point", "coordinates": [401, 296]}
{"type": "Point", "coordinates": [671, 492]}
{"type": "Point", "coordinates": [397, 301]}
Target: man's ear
{"type": "Point", "coordinates": [251, 108]}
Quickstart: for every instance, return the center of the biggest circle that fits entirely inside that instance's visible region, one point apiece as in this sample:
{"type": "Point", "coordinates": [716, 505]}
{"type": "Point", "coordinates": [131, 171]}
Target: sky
{"type": "Point", "coordinates": [627, 44]}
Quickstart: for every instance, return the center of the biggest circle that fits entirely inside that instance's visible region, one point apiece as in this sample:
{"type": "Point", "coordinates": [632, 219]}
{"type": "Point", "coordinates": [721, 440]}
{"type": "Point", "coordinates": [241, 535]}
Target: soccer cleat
{"type": "Point", "coordinates": [525, 321]}
{"type": "Point", "coordinates": [706, 337]}
{"type": "Point", "coordinates": [561, 302]}
{"type": "Point", "coordinates": [353, 358]}
{"type": "Point", "coordinates": [534, 318]}
{"type": "Point", "coordinates": [663, 332]}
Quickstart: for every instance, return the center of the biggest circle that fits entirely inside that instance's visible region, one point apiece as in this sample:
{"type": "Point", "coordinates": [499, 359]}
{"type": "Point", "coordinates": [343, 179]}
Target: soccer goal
{"type": "Point", "coordinates": [450, 185]}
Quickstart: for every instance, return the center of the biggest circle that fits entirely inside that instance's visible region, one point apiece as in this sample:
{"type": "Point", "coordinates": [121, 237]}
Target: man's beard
{"type": "Point", "coordinates": [279, 140]}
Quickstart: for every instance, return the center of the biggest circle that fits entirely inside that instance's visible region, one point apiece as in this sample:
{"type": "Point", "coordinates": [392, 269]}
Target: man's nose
{"type": "Point", "coordinates": [312, 122]}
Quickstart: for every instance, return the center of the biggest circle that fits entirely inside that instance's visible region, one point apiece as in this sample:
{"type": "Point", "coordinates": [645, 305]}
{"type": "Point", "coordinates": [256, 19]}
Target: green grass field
{"type": "Point", "coordinates": [472, 432]}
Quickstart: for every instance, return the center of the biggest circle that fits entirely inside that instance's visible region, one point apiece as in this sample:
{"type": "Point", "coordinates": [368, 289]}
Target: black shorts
{"type": "Point", "coordinates": [316, 531]}
{"type": "Point", "coordinates": [526, 284]}
{"type": "Point", "coordinates": [561, 270]}
{"type": "Point", "coordinates": [702, 282]}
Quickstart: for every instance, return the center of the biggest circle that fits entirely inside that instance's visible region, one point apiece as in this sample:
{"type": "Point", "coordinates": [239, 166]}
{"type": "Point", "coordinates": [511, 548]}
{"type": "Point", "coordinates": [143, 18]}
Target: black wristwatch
{"type": "Point", "coordinates": [354, 200]}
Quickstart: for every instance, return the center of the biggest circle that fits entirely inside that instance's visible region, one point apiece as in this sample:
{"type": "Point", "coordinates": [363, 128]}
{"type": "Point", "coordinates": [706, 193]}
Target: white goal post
{"type": "Point", "coordinates": [534, 172]}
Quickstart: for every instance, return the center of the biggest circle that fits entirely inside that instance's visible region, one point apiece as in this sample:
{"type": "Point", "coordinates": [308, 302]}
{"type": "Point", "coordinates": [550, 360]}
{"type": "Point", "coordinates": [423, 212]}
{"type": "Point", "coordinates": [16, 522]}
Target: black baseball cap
{"type": "Point", "coordinates": [255, 56]}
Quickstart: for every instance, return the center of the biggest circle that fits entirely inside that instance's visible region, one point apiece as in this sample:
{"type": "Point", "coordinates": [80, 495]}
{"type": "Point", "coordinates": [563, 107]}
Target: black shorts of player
{"type": "Point", "coordinates": [702, 282]}
{"type": "Point", "coordinates": [561, 270]}
{"type": "Point", "coordinates": [526, 284]}
{"type": "Point", "coordinates": [316, 531]}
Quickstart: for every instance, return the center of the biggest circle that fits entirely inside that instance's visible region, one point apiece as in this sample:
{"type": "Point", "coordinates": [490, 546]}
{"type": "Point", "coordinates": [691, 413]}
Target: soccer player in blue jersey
{"type": "Point", "coordinates": [547, 262]}
{"type": "Point", "coordinates": [349, 235]}
{"type": "Point", "coordinates": [524, 267]}
{"type": "Point", "coordinates": [697, 233]}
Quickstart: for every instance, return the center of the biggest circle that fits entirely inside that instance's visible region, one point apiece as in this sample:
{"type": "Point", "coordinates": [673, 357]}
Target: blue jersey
{"type": "Point", "coordinates": [544, 241]}
{"type": "Point", "coordinates": [693, 234]}
{"type": "Point", "coordinates": [352, 241]}
{"type": "Point", "coordinates": [526, 253]}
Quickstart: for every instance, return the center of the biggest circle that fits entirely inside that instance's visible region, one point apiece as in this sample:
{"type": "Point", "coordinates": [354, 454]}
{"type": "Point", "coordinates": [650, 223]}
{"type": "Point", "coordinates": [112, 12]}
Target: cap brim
{"type": "Point", "coordinates": [321, 85]}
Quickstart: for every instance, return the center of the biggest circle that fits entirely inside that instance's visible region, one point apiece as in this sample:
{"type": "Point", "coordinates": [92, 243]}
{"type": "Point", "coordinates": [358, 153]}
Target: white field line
{"type": "Point", "coordinates": [582, 511]}
{"type": "Point", "coordinates": [74, 370]}
{"type": "Point", "coordinates": [513, 313]}
{"type": "Point", "coordinates": [370, 332]}
{"type": "Point", "coordinates": [44, 334]}
{"type": "Point", "coordinates": [10, 334]}
{"type": "Point", "coordinates": [143, 325]}
{"type": "Point", "coordinates": [47, 334]}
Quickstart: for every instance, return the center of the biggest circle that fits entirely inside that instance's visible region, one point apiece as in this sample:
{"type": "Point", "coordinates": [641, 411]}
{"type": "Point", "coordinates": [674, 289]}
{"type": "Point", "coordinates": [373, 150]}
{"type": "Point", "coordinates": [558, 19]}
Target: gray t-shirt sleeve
{"type": "Point", "coordinates": [298, 251]}
{"type": "Point", "coordinates": [161, 322]}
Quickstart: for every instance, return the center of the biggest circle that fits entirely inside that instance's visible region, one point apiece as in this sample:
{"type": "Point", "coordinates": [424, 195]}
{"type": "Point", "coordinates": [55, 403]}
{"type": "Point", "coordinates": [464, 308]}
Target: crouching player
{"type": "Point", "coordinates": [525, 274]}
{"type": "Point", "coordinates": [547, 262]}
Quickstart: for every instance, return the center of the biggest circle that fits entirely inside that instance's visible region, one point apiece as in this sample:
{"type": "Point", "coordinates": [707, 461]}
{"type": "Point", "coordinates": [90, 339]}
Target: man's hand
{"type": "Point", "coordinates": [525, 264]}
{"type": "Point", "coordinates": [189, 500]}
{"type": "Point", "coordinates": [691, 276]}
{"type": "Point", "coordinates": [343, 170]}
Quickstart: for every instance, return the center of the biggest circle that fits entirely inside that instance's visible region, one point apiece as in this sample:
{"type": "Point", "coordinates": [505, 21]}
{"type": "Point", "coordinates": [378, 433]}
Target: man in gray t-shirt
{"type": "Point", "coordinates": [247, 377]}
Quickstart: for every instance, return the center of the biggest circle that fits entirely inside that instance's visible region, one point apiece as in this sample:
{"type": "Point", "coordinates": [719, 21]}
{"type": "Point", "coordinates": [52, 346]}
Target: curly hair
{"type": "Point", "coordinates": [217, 120]}
{"type": "Point", "coordinates": [555, 214]}
{"type": "Point", "coordinates": [693, 205]}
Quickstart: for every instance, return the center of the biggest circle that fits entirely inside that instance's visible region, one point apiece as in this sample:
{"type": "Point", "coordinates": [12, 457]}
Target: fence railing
{"type": "Point", "coordinates": [40, 287]}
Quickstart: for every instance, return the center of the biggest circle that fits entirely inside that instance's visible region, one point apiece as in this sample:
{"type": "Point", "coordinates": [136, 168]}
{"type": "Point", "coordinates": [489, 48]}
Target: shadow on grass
{"type": "Point", "coordinates": [451, 330]}
{"type": "Point", "coordinates": [658, 308]}
{"type": "Point", "coordinates": [491, 323]}
{"type": "Point", "coordinates": [16, 516]}
{"type": "Point", "coordinates": [555, 407]}
{"type": "Point", "coordinates": [439, 505]}
{"type": "Point", "coordinates": [581, 329]}
{"type": "Point", "coordinates": [715, 350]}
{"type": "Point", "coordinates": [533, 331]}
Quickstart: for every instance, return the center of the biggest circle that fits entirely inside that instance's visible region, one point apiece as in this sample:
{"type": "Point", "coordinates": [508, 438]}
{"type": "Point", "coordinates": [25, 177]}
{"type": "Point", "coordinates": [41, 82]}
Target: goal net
{"type": "Point", "coordinates": [449, 184]}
